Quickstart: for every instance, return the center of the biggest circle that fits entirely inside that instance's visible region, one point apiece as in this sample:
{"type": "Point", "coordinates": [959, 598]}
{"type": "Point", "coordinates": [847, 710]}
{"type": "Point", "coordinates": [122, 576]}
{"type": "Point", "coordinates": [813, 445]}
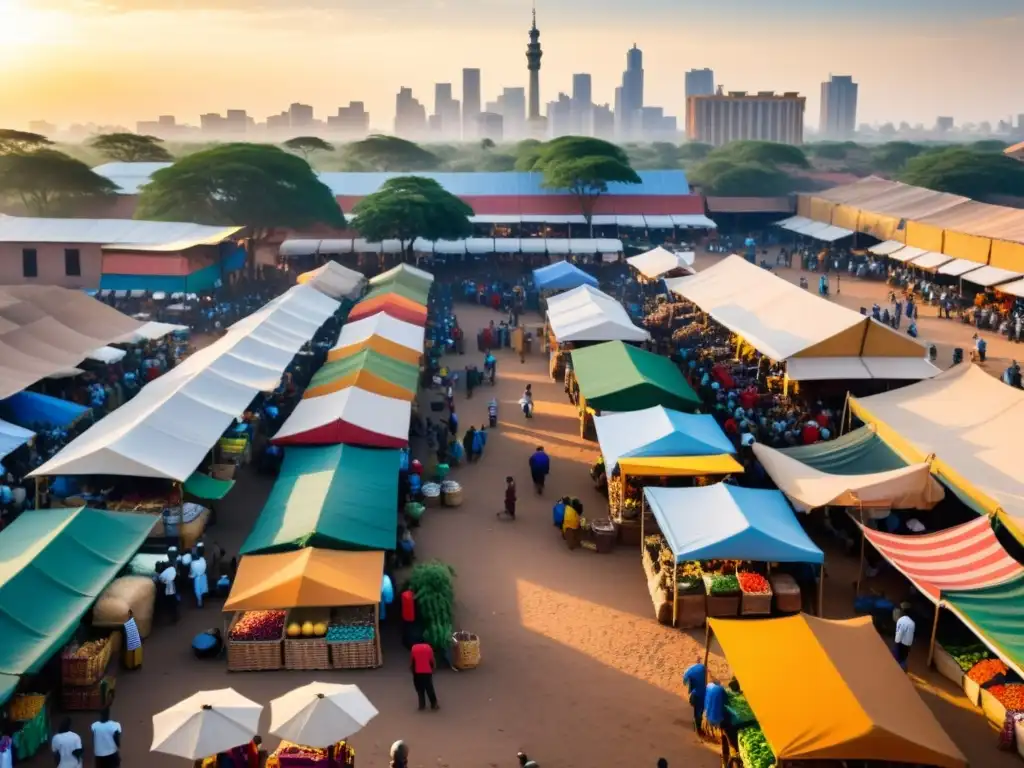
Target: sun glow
{"type": "Point", "coordinates": [21, 26]}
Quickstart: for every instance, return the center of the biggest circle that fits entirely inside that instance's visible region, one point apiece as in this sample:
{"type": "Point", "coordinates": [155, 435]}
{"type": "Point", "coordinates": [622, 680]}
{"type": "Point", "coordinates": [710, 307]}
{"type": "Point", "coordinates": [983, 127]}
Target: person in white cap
{"type": "Point", "coordinates": [399, 755]}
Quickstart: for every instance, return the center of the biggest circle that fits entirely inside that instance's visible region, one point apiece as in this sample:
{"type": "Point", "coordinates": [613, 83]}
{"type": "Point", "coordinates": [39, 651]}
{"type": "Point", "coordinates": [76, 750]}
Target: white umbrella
{"type": "Point", "coordinates": [206, 723]}
{"type": "Point", "coordinates": [320, 714]}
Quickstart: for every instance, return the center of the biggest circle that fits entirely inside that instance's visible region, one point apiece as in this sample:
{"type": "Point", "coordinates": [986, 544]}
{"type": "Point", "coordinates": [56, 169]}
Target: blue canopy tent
{"type": "Point", "coordinates": [659, 432]}
{"type": "Point", "coordinates": [561, 276]}
{"type": "Point", "coordinates": [726, 522]}
{"type": "Point", "coordinates": [32, 409]}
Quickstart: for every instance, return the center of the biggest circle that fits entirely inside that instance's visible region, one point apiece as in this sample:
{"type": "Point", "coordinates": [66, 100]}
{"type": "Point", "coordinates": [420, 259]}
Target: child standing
{"type": "Point", "coordinates": [510, 498]}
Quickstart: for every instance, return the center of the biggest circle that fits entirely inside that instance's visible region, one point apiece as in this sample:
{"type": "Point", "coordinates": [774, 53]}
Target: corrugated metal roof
{"type": "Point", "coordinates": [126, 234]}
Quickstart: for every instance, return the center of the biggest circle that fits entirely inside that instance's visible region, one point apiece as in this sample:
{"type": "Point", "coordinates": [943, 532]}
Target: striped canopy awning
{"type": "Point", "coordinates": [964, 557]}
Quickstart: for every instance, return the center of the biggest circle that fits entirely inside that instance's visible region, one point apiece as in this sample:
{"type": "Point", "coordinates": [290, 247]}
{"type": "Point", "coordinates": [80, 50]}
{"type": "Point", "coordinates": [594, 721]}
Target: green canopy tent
{"type": "Point", "coordinates": [207, 488]}
{"type": "Point", "coordinates": [995, 615]}
{"type": "Point", "coordinates": [54, 563]}
{"type": "Point", "coordinates": [332, 497]}
{"type": "Point", "coordinates": [404, 274]}
{"type": "Point", "coordinates": [860, 452]}
{"type": "Point", "coordinates": [403, 288]}
{"type": "Point", "coordinates": [617, 377]}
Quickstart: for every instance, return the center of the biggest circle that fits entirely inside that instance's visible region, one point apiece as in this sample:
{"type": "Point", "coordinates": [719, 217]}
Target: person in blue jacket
{"type": "Point", "coordinates": [540, 466]}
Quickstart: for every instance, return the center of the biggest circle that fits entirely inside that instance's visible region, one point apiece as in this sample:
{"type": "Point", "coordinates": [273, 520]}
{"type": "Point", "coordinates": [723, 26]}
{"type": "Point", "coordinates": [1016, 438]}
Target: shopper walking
{"type": "Point", "coordinates": [540, 466]}
{"type": "Point", "coordinates": [422, 664]}
{"type": "Point", "coordinates": [106, 741]}
{"type": "Point", "coordinates": [510, 498]}
{"type": "Point", "coordinates": [66, 746]}
{"type": "Point", "coordinates": [905, 627]}
{"type": "Point", "coordinates": [132, 656]}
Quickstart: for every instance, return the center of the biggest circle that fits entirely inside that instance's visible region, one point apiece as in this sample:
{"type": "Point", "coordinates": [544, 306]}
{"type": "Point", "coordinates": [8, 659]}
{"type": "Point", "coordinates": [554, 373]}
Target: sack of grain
{"type": "Point", "coordinates": [135, 593]}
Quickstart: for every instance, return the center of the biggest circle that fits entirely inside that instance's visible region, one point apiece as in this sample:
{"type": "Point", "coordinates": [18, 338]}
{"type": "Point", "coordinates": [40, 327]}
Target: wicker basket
{"type": "Point", "coordinates": [253, 655]}
{"type": "Point", "coordinates": [465, 650]}
{"type": "Point", "coordinates": [947, 667]}
{"type": "Point", "coordinates": [362, 655]}
{"type": "Point", "coordinates": [84, 670]}
{"type": "Point", "coordinates": [88, 697]}
{"type": "Point", "coordinates": [306, 652]}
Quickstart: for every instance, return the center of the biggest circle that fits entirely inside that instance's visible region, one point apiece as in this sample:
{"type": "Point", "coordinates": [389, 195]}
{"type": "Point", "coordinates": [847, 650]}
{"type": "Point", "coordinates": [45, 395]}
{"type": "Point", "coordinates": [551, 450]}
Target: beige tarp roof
{"type": "Point", "coordinates": [832, 368]}
{"type": "Point", "coordinates": [865, 189]}
{"type": "Point", "coordinates": [970, 421]}
{"type": "Point", "coordinates": [911, 487]}
{"type": "Point", "coordinates": [982, 219]}
{"type": "Point", "coordinates": [45, 330]}
{"type": "Point", "coordinates": [781, 320]}
{"type": "Point", "coordinates": [334, 280]}
{"type": "Point", "coordinates": [906, 202]}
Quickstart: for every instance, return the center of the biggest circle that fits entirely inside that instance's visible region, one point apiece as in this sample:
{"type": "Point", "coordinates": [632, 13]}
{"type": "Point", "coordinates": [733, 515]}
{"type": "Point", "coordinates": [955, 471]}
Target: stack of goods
{"type": "Point", "coordinates": [756, 594]}
{"type": "Point", "coordinates": [85, 683]}
{"type": "Point", "coordinates": [686, 333]}
{"type": "Point", "coordinates": [431, 494]}
{"type": "Point", "coordinates": [624, 499]}
{"type": "Point", "coordinates": [451, 493]}
{"type": "Point", "coordinates": [753, 748]}
{"type": "Point", "coordinates": [134, 594]}
{"type": "Point", "coordinates": [723, 593]}
{"type": "Point", "coordinates": [288, 755]}
{"type": "Point", "coordinates": [433, 586]}
{"type": "Point", "coordinates": [663, 576]}
{"type": "Point", "coordinates": [30, 715]}
{"type": "Point", "coordinates": [352, 637]}
{"type": "Point", "coordinates": [255, 640]}
{"type": "Point", "coordinates": [305, 643]}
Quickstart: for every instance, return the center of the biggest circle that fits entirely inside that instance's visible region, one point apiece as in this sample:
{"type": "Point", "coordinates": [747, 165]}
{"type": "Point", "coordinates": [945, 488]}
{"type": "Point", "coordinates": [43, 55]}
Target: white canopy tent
{"type": "Point", "coordinates": [404, 334]}
{"type": "Point", "coordinates": [693, 221]}
{"type": "Point", "coordinates": [658, 261]}
{"type": "Point", "coordinates": [335, 281]}
{"type": "Point", "coordinates": [150, 331]}
{"type": "Point", "coordinates": [906, 254]}
{"type": "Point", "coordinates": [831, 234]}
{"type": "Point", "coordinates": [859, 368]}
{"type": "Point", "coordinates": [587, 314]}
{"type": "Point", "coordinates": [988, 276]}
{"type": "Point", "coordinates": [958, 267]}
{"type": "Point", "coordinates": [886, 248]}
{"type": "Point", "coordinates": [793, 221]}
{"type": "Point", "coordinates": [107, 355]}
{"type": "Point", "coordinates": [13, 437]}
{"type": "Point", "coordinates": [168, 428]}
{"type": "Point", "coordinates": [930, 260]}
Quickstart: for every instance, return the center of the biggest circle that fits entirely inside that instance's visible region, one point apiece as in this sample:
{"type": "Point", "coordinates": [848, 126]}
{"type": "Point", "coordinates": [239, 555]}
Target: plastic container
{"type": "Point", "coordinates": [604, 534]}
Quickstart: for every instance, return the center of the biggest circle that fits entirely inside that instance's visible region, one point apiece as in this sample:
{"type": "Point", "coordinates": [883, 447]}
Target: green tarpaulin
{"type": "Point", "coordinates": [53, 564]}
{"type": "Point", "coordinates": [208, 488]}
{"type": "Point", "coordinates": [8, 685]}
{"type": "Point", "coordinates": [617, 377]}
{"type": "Point", "coordinates": [402, 289]}
{"type": "Point", "coordinates": [860, 452]}
{"type": "Point", "coordinates": [333, 497]}
{"type": "Point", "coordinates": [401, 275]}
{"type": "Point", "coordinates": [388, 368]}
{"type": "Point", "coordinates": [996, 616]}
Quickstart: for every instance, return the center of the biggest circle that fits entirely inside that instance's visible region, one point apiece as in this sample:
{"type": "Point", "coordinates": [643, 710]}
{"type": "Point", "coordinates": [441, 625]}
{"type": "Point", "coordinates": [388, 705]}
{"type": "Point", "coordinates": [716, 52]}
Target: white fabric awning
{"type": "Point", "coordinates": [480, 245]}
{"type": "Point", "coordinates": [554, 218]}
{"type": "Point", "coordinates": [859, 368]}
{"type": "Point", "coordinates": [831, 234]}
{"type": "Point", "coordinates": [812, 228]}
{"type": "Point", "coordinates": [334, 280]}
{"type": "Point", "coordinates": [602, 220]}
{"type": "Point", "coordinates": [495, 218]}
{"type": "Point", "coordinates": [930, 260]}
{"type": "Point", "coordinates": [408, 335]}
{"type": "Point", "coordinates": [659, 222]}
{"type": "Point", "coordinates": [693, 221]}
{"type": "Point", "coordinates": [558, 246]}
{"type": "Point", "coordinates": [362, 245]}
{"type": "Point", "coordinates": [907, 253]}
{"type": "Point", "coordinates": [299, 247]}
{"type": "Point", "coordinates": [987, 276]}
{"type": "Point", "coordinates": [587, 314]}
{"type": "Point", "coordinates": [886, 248]}
{"type": "Point", "coordinates": [12, 437]}
{"type": "Point", "coordinates": [150, 331]}
{"type": "Point", "coordinates": [107, 355]}
{"type": "Point", "coordinates": [958, 267]}
{"type": "Point", "coordinates": [785, 223]}
{"type": "Point", "coordinates": [631, 221]}
{"type": "Point", "coordinates": [533, 245]}
{"type": "Point", "coordinates": [658, 261]}
{"type": "Point", "coordinates": [793, 223]}
{"type": "Point", "coordinates": [1016, 288]}
{"type": "Point", "coordinates": [609, 245]}
{"type": "Point", "coordinates": [506, 245]}
{"type": "Point", "coordinates": [583, 246]}
{"type": "Point", "coordinates": [450, 247]}
{"type": "Point", "coordinates": [903, 368]}
{"type": "Point", "coordinates": [422, 245]}
{"type": "Point", "coordinates": [391, 246]}
{"type": "Point", "coordinates": [336, 246]}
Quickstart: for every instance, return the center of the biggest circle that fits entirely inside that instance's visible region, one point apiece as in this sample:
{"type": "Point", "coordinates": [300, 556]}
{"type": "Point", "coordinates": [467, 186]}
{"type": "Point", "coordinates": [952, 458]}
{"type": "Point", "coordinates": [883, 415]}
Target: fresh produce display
{"type": "Point", "coordinates": [352, 624]}
{"type": "Point", "coordinates": [753, 748]}
{"type": "Point", "coordinates": [431, 583]}
{"type": "Point", "coordinates": [295, 754]}
{"type": "Point", "coordinates": [259, 626]}
{"type": "Point", "coordinates": [1010, 695]}
{"type": "Point", "coordinates": [25, 706]}
{"type": "Point", "coordinates": [967, 655]}
{"type": "Point", "coordinates": [307, 629]}
{"type": "Point", "coordinates": [349, 633]}
{"type": "Point", "coordinates": [986, 670]}
{"type": "Point", "coordinates": [754, 583]}
{"type": "Point", "coordinates": [739, 708]}
{"type": "Point", "coordinates": [688, 574]}
{"type": "Point", "coordinates": [722, 584]}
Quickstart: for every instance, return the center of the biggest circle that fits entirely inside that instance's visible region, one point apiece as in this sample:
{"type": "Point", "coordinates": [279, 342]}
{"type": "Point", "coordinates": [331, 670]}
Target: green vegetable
{"type": "Point", "coordinates": [724, 585]}
{"type": "Point", "coordinates": [432, 584]}
{"type": "Point", "coordinates": [740, 708]}
{"type": "Point", "coordinates": [754, 749]}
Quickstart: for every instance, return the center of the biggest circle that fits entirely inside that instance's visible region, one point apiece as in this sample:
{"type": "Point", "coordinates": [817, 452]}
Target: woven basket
{"type": "Point", "coordinates": [362, 655]}
{"type": "Point", "coordinates": [84, 670]}
{"type": "Point", "coordinates": [465, 650]}
{"type": "Point", "coordinates": [88, 697]}
{"type": "Point", "coordinates": [253, 655]}
{"type": "Point", "coordinates": [306, 652]}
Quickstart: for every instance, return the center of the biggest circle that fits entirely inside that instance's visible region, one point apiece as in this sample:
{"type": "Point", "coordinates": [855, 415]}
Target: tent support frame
{"type": "Point", "coordinates": [935, 632]}
{"type": "Point", "coordinates": [860, 563]}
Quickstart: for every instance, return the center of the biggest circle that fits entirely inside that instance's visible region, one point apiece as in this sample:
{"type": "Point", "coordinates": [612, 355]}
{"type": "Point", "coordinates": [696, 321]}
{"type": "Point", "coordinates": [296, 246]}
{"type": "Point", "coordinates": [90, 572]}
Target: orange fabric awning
{"type": "Point", "coordinates": [378, 344]}
{"type": "Point", "coordinates": [363, 379]}
{"type": "Point", "coordinates": [392, 304]}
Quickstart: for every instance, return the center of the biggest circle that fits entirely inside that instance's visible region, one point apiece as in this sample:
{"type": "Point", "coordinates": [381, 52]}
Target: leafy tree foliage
{"type": "Point", "coordinates": [967, 172]}
{"type": "Point", "coordinates": [390, 153]}
{"type": "Point", "coordinates": [487, 144]}
{"type": "Point", "coordinates": [131, 148]}
{"type": "Point", "coordinates": [21, 141]}
{"type": "Point", "coordinates": [307, 145]}
{"type": "Point", "coordinates": [48, 182]}
{"type": "Point", "coordinates": [407, 207]}
{"type": "Point", "coordinates": [694, 150]}
{"type": "Point", "coordinates": [768, 153]}
{"type": "Point", "coordinates": [988, 145]}
{"type": "Point", "coordinates": [892, 156]}
{"type": "Point", "coordinates": [831, 150]}
{"type": "Point", "coordinates": [725, 178]}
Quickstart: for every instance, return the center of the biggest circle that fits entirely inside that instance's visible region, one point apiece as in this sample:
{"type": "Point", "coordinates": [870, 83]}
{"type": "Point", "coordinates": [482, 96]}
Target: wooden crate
{"type": "Point", "coordinates": [720, 606]}
{"type": "Point", "coordinates": [362, 655]}
{"type": "Point", "coordinates": [254, 655]}
{"type": "Point", "coordinates": [83, 671]}
{"type": "Point", "coordinates": [90, 698]}
{"type": "Point", "coordinates": [946, 666]}
{"type": "Point", "coordinates": [993, 709]}
{"type": "Point", "coordinates": [787, 593]}
{"type": "Point", "coordinates": [692, 611]}
{"type": "Point", "coordinates": [755, 604]}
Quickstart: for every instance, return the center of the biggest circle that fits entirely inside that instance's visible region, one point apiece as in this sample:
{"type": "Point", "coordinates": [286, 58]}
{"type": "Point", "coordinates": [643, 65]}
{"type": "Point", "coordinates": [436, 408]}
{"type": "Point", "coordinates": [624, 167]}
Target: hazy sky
{"type": "Point", "coordinates": [116, 61]}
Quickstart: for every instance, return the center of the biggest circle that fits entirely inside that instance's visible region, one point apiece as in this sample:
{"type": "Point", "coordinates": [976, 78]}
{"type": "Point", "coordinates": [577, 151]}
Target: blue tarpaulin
{"type": "Point", "coordinates": [562, 276]}
{"type": "Point", "coordinates": [659, 432]}
{"type": "Point", "coordinates": [727, 522]}
{"type": "Point", "coordinates": [205, 279]}
{"type": "Point", "coordinates": [31, 409]}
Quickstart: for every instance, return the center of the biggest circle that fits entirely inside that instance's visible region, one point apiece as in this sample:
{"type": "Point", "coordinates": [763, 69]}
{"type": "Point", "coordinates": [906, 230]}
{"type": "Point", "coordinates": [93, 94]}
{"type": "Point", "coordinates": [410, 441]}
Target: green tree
{"type": "Point", "coordinates": [21, 141]}
{"type": "Point", "coordinates": [307, 145]}
{"type": "Point", "coordinates": [831, 150]}
{"type": "Point", "coordinates": [892, 156]}
{"type": "Point", "coordinates": [131, 148]}
{"type": "Point", "coordinates": [962, 171]}
{"type": "Point", "coordinates": [768, 153]}
{"type": "Point", "coordinates": [527, 154]}
{"type": "Point", "coordinates": [407, 207]}
{"type": "Point", "coordinates": [49, 182]}
{"type": "Point", "coordinates": [487, 144]}
{"type": "Point", "coordinates": [257, 186]}
{"type": "Point", "coordinates": [988, 145]}
{"type": "Point", "coordinates": [390, 153]}
{"type": "Point", "coordinates": [724, 178]}
{"type": "Point", "coordinates": [694, 150]}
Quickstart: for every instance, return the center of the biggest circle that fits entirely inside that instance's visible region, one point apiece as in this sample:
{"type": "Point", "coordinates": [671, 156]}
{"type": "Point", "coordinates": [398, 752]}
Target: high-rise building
{"type": "Point", "coordinates": [740, 116]}
{"type": "Point", "coordinates": [511, 105]}
{"type": "Point", "coordinates": [300, 116]}
{"type": "Point", "coordinates": [604, 122]}
{"type": "Point", "coordinates": [632, 92]}
{"type": "Point", "coordinates": [533, 57]}
{"type": "Point", "coordinates": [838, 108]}
{"type": "Point", "coordinates": [470, 102]}
{"type": "Point", "coordinates": [490, 125]}
{"type": "Point", "coordinates": [942, 124]}
{"type": "Point", "coordinates": [237, 121]}
{"type": "Point", "coordinates": [582, 105]}
{"type": "Point", "coordinates": [280, 123]}
{"type": "Point", "coordinates": [447, 119]}
{"type": "Point", "coordinates": [700, 82]}
{"type": "Point", "coordinates": [655, 125]}
{"type": "Point", "coordinates": [410, 115]}
{"type": "Point", "coordinates": [560, 116]}
{"type": "Point", "coordinates": [352, 121]}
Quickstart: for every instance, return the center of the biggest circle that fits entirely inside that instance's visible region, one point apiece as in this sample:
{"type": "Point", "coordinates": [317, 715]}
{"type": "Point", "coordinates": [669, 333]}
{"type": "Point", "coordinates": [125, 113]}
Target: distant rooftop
{"type": "Point", "coordinates": [126, 234]}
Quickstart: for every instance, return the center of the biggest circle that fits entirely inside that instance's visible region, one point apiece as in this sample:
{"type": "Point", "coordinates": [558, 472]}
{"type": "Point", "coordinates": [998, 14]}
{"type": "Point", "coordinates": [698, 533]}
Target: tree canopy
{"type": "Point", "coordinates": [725, 178]}
{"type": "Point", "coordinates": [892, 156]}
{"type": "Point", "coordinates": [407, 207]}
{"type": "Point", "coordinates": [967, 172]}
{"type": "Point", "coordinates": [48, 182]}
{"type": "Point", "coordinates": [390, 153]}
{"type": "Point", "coordinates": [21, 141]}
{"type": "Point", "coordinates": [768, 153]}
{"type": "Point", "coordinates": [307, 145]}
{"type": "Point", "coordinates": [131, 148]}
{"type": "Point", "coordinates": [252, 185]}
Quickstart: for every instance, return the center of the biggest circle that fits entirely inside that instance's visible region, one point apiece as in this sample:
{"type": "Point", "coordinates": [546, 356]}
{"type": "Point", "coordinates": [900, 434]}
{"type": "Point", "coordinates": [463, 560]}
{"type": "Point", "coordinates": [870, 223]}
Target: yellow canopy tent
{"type": "Point", "coordinates": [680, 466]}
{"type": "Point", "coordinates": [831, 690]}
{"type": "Point", "coordinates": [380, 345]}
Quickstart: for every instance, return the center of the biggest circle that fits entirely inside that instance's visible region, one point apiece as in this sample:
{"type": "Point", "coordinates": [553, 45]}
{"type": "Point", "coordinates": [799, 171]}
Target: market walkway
{"type": "Point", "coordinates": [575, 669]}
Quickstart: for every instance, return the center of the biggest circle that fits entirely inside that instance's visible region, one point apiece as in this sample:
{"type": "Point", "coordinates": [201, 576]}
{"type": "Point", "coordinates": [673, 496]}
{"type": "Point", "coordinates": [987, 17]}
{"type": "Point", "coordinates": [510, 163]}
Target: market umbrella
{"type": "Point", "coordinates": [206, 723]}
{"type": "Point", "coordinates": [320, 714]}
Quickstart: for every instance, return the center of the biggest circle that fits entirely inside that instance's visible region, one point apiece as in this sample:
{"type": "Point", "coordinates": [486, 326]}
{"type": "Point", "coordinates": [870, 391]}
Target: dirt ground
{"type": "Point", "coordinates": [575, 669]}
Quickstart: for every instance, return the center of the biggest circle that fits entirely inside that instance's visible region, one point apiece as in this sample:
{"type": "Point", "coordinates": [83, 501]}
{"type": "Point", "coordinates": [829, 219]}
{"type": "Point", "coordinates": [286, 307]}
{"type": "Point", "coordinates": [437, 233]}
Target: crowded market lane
{"type": "Point", "coordinates": [575, 669]}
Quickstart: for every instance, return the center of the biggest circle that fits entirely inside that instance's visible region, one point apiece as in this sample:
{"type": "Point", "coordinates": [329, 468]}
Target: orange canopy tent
{"type": "Point", "coordinates": [367, 370]}
{"type": "Point", "coordinates": [378, 344]}
{"type": "Point", "coordinates": [391, 304]}
{"type": "Point", "coordinates": [831, 690]}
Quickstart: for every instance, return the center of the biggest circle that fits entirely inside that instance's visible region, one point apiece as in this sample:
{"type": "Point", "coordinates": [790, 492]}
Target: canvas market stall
{"type": "Point", "coordinates": [715, 547]}
{"type": "Point", "coordinates": [369, 371]}
{"type": "Point", "coordinates": [352, 416]}
{"type": "Point", "coordinates": [657, 442]}
{"type": "Point", "coordinates": [616, 377]}
{"type": "Point", "coordinates": [407, 272]}
{"type": "Point", "coordinates": [860, 451]}
{"type": "Point", "coordinates": [392, 304]}
{"type": "Point", "coordinates": [383, 334]}
{"type": "Point", "coordinates": [561, 276]}
{"type": "Point", "coordinates": [822, 690]}
{"type": "Point", "coordinates": [334, 280]}
{"type": "Point", "coordinates": [660, 262]}
{"type": "Point", "coordinates": [306, 609]}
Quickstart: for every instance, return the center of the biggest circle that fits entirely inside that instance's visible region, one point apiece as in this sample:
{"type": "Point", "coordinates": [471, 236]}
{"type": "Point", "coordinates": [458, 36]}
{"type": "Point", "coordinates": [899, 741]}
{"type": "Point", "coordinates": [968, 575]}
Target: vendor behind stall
{"type": "Point", "coordinates": [695, 679]}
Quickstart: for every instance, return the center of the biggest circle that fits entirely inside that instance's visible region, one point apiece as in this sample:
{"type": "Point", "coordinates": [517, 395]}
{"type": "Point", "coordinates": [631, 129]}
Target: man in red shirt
{"type": "Point", "coordinates": [422, 665]}
{"type": "Point", "coordinates": [408, 617]}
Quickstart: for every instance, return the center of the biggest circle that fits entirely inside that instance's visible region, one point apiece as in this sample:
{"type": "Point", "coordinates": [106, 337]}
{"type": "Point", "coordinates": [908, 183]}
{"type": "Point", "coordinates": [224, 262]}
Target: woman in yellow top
{"type": "Point", "coordinates": [571, 527]}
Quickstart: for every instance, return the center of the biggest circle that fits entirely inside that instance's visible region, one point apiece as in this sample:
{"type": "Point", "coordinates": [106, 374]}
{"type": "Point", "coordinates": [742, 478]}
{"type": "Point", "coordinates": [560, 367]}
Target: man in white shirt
{"type": "Point", "coordinates": [197, 574]}
{"type": "Point", "coordinates": [905, 627]}
{"type": "Point", "coordinates": [166, 576]}
{"type": "Point", "coordinates": [106, 741]}
{"type": "Point", "coordinates": [66, 746]}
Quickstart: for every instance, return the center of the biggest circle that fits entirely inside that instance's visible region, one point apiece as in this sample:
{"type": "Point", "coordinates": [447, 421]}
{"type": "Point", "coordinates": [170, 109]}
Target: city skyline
{"type": "Point", "coordinates": [68, 59]}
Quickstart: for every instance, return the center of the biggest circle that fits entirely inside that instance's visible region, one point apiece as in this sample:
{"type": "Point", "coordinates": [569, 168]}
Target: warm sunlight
{"type": "Point", "coordinates": [21, 26]}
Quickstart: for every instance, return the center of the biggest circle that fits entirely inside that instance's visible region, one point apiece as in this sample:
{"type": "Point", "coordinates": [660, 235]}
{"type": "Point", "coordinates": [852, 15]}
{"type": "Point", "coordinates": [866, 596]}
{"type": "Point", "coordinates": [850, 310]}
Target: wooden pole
{"type": "Point", "coordinates": [821, 591]}
{"type": "Point", "coordinates": [643, 510]}
{"type": "Point", "coordinates": [38, 494]}
{"type": "Point", "coordinates": [860, 565]}
{"type": "Point", "coordinates": [708, 634]}
{"type": "Point", "coordinates": [935, 632]}
{"type": "Point", "coordinates": [846, 406]}
{"type": "Point", "coordinates": [675, 593]}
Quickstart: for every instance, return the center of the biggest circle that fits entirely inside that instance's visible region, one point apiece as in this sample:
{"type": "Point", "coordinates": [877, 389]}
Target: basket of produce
{"type": "Point", "coordinates": [996, 700]}
{"type": "Point", "coordinates": [305, 642]}
{"type": "Point", "coordinates": [25, 706]}
{"type": "Point", "coordinates": [451, 493]}
{"type": "Point", "coordinates": [787, 593]}
{"type": "Point", "coordinates": [723, 594]}
{"type": "Point", "coordinates": [753, 748]}
{"type": "Point", "coordinates": [433, 585]}
{"type": "Point", "coordinates": [85, 664]}
{"type": "Point", "coordinates": [255, 639]}
{"type": "Point", "coordinates": [352, 638]}
{"type": "Point", "coordinates": [739, 710]}
{"type": "Point", "coordinates": [89, 698]}
{"type": "Point", "coordinates": [288, 755]}
{"type": "Point", "coordinates": [431, 494]}
{"type": "Point", "coordinates": [414, 511]}
{"type": "Point", "coordinates": [465, 650]}
{"type": "Point", "coordinates": [986, 672]}
{"type": "Point", "coordinates": [756, 594]}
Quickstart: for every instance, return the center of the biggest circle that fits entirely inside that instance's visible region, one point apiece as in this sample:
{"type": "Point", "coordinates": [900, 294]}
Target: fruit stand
{"type": "Point", "coordinates": [87, 682]}
{"type": "Point", "coordinates": [288, 755]}
{"type": "Point", "coordinates": [29, 715]}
